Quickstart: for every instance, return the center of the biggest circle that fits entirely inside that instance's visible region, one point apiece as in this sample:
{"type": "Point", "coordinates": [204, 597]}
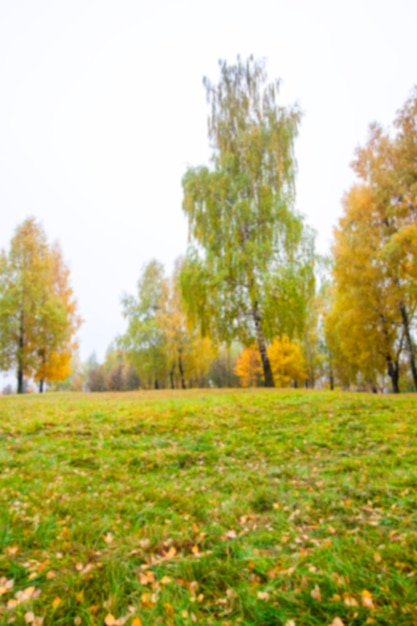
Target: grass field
{"type": "Point", "coordinates": [288, 508]}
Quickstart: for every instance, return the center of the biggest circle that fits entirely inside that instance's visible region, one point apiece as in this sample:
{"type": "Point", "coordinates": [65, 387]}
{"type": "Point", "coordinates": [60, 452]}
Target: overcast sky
{"type": "Point", "coordinates": [102, 107]}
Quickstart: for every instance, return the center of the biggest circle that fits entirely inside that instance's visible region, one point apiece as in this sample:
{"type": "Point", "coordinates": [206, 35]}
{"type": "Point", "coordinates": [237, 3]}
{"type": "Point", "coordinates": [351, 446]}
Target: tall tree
{"type": "Point", "coordinates": [387, 164]}
{"type": "Point", "coordinates": [248, 270]}
{"type": "Point", "coordinates": [365, 321]}
{"type": "Point", "coordinates": [37, 310]}
{"type": "Point", "coordinates": [188, 353]}
{"type": "Point", "coordinates": [144, 338]}
{"type": "Point", "coordinates": [57, 323]}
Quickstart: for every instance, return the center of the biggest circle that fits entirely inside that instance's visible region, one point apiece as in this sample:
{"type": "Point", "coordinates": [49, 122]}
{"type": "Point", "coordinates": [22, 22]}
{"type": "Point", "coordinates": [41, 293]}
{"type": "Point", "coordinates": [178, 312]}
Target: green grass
{"type": "Point", "coordinates": [265, 507]}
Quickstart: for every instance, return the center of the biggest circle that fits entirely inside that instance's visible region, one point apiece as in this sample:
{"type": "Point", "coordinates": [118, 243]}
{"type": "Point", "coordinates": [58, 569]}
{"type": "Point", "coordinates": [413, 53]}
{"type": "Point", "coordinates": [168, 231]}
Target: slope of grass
{"type": "Point", "coordinates": [237, 508]}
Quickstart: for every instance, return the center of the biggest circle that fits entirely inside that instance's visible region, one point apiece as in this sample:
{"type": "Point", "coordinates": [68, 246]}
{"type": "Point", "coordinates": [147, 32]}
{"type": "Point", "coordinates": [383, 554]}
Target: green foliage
{"type": "Point", "coordinates": [249, 267]}
{"type": "Point", "coordinates": [162, 346]}
{"type": "Point", "coordinates": [144, 338]}
{"type": "Point", "coordinates": [209, 508]}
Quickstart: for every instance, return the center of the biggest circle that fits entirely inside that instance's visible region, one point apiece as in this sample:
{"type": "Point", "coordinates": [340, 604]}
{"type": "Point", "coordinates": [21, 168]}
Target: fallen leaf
{"type": "Point", "coordinates": [171, 553]}
{"type": "Point", "coordinates": [263, 595]}
{"type": "Point", "coordinates": [165, 580]}
{"type": "Point", "coordinates": [316, 593]}
{"type": "Point", "coordinates": [367, 601]}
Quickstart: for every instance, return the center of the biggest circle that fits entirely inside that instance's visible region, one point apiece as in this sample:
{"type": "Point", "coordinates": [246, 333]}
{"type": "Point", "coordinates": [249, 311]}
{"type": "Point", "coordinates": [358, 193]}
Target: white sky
{"type": "Point", "coordinates": [102, 107]}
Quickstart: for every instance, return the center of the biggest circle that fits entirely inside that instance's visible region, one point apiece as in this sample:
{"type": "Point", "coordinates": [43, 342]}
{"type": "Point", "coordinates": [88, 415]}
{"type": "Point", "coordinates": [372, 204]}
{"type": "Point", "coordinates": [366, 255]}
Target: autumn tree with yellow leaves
{"type": "Point", "coordinates": [249, 367]}
{"type": "Point", "coordinates": [287, 362]}
{"type": "Point", "coordinates": [38, 312]}
{"type": "Point", "coordinates": [374, 297]}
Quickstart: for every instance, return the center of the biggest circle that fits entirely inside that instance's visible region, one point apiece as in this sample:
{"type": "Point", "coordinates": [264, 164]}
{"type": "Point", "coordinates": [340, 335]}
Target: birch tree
{"type": "Point", "coordinates": [248, 273]}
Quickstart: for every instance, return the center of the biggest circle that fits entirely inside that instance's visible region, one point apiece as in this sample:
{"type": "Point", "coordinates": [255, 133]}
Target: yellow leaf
{"type": "Point", "coordinates": [136, 621]}
{"type": "Point", "coordinates": [110, 620]}
{"type": "Point", "coordinates": [195, 550]}
{"type": "Point", "coordinates": [56, 602]}
{"type": "Point", "coordinates": [165, 580]}
{"type": "Point", "coordinates": [337, 622]}
{"type": "Point", "coordinates": [367, 601]}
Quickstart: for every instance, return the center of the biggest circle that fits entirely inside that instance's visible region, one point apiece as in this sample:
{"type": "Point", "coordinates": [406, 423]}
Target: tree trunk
{"type": "Point", "coordinates": [181, 369]}
{"type": "Point", "coordinates": [20, 381]}
{"type": "Point", "coordinates": [41, 385]}
{"type": "Point", "coordinates": [266, 365]}
{"type": "Point", "coordinates": [156, 383]}
{"type": "Point", "coordinates": [171, 377]}
{"type": "Point", "coordinates": [409, 343]}
{"type": "Point", "coordinates": [393, 373]}
{"type": "Point", "coordinates": [331, 377]}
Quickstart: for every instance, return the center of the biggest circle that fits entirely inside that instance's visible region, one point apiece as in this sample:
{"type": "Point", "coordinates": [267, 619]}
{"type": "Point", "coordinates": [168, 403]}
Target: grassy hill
{"type": "Point", "coordinates": [257, 507]}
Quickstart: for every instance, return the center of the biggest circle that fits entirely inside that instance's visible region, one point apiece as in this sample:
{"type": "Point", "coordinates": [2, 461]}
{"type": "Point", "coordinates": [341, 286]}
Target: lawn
{"type": "Point", "coordinates": [245, 507]}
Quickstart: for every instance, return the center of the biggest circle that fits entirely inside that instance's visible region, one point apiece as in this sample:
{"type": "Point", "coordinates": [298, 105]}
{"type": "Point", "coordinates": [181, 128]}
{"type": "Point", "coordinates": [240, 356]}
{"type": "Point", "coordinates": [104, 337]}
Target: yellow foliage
{"type": "Point", "coordinates": [287, 362]}
{"type": "Point", "coordinates": [58, 367]}
{"type": "Point", "coordinates": [249, 367]}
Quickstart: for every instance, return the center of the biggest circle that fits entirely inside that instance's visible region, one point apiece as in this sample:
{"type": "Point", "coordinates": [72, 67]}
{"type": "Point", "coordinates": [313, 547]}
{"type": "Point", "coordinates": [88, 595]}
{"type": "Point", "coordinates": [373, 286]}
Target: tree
{"type": "Point", "coordinates": [287, 362]}
{"type": "Point", "coordinates": [158, 340]}
{"type": "Point", "coordinates": [249, 266]}
{"type": "Point", "coordinates": [365, 321]}
{"type": "Point", "coordinates": [120, 375]}
{"type": "Point", "coordinates": [188, 353]}
{"type": "Point", "coordinates": [38, 317]}
{"type": "Point", "coordinates": [144, 338]}
{"type": "Point", "coordinates": [222, 368]}
{"type": "Point", "coordinates": [373, 318]}
{"type": "Point", "coordinates": [249, 367]}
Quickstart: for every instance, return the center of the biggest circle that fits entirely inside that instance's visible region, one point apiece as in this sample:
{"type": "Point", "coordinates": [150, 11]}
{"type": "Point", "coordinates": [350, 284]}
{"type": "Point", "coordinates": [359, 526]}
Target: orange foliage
{"type": "Point", "coordinates": [249, 367]}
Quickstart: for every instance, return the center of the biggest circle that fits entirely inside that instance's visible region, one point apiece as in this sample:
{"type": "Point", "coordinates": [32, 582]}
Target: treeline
{"type": "Point", "coordinates": [250, 303]}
